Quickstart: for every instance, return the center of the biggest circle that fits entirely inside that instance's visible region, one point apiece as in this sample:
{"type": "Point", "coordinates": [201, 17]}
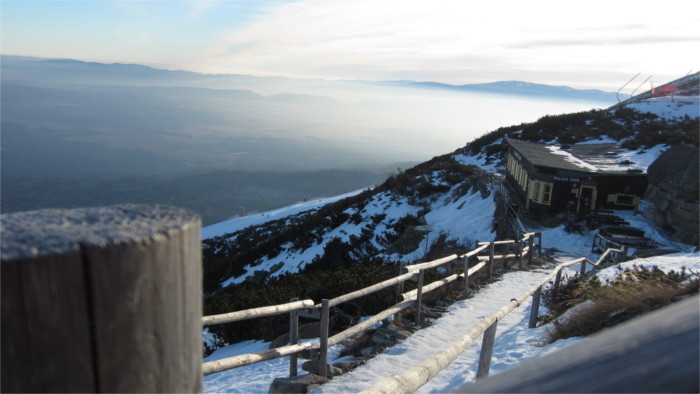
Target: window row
{"type": "Point", "coordinates": [518, 172]}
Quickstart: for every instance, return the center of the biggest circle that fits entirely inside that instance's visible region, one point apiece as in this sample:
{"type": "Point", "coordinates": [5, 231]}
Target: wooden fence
{"type": "Point", "coordinates": [412, 379]}
{"type": "Point", "coordinates": [524, 249]}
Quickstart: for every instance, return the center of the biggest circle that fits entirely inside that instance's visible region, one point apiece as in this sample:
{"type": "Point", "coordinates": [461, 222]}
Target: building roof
{"type": "Point", "coordinates": [588, 158]}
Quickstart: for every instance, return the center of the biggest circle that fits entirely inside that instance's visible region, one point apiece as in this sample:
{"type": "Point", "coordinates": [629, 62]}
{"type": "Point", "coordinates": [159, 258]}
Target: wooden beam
{"type": "Point", "coordinates": [256, 312]}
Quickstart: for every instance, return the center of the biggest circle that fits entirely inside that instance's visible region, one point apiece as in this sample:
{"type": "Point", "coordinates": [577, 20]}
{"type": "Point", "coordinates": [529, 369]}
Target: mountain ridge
{"type": "Point", "coordinates": [140, 71]}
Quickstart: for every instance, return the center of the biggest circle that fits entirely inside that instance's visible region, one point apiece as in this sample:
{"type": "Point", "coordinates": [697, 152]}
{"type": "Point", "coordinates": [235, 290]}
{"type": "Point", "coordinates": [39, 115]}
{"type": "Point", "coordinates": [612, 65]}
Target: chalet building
{"type": "Point", "coordinates": [582, 179]}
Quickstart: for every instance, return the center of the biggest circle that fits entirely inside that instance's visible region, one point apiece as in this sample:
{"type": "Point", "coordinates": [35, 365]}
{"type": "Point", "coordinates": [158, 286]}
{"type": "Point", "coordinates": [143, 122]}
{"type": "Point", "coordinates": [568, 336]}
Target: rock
{"type": "Point", "coordinates": [296, 384]}
{"type": "Point", "coordinates": [381, 337]}
{"type": "Point", "coordinates": [392, 329]}
{"type": "Point", "coordinates": [349, 365]}
{"type": "Point", "coordinates": [312, 366]}
{"type": "Point", "coordinates": [428, 313]}
{"type": "Point", "coordinates": [368, 351]}
{"type": "Point", "coordinates": [310, 354]}
{"type": "Point", "coordinates": [355, 343]}
{"type": "Point", "coordinates": [310, 330]}
{"type": "Point", "coordinates": [671, 199]}
{"type": "Point", "coordinates": [402, 335]}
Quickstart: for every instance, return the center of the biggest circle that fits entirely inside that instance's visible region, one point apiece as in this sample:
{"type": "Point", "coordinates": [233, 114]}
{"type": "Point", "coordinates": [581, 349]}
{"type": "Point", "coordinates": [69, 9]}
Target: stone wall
{"type": "Point", "coordinates": [671, 199]}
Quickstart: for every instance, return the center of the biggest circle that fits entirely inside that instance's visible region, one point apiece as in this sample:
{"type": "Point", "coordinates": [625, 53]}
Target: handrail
{"type": "Point", "coordinates": [370, 289]}
{"type": "Point", "coordinates": [417, 376]}
{"type": "Point", "coordinates": [408, 299]}
{"type": "Point", "coordinates": [225, 364]}
{"type": "Point", "coordinates": [256, 312]}
{"type": "Point", "coordinates": [432, 264]}
{"type": "Point", "coordinates": [412, 295]}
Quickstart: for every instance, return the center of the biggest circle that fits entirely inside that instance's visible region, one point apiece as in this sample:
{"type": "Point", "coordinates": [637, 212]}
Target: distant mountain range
{"type": "Point", "coordinates": [38, 70]}
{"type": "Point", "coordinates": [513, 87]}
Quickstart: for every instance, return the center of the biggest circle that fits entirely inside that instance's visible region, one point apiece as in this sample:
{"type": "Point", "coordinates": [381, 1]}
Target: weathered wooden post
{"type": "Point", "coordinates": [419, 296]}
{"type": "Point", "coordinates": [535, 309]}
{"type": "Point", "coordinates": [101, 300]}
{"type": "Point", "coordinates": [520, 252]}
{"type": "Point", "coordinates": [539, 244]}
{"type": "Point", "coordinates": [399, 287]}
{"type": "Point", "coordinates": [583, 268]}
{"type": "Point", "coordinates": [486, 351]}
{"type": "Point", "coordinates": [557, 283]}
{"type": "Point", "coordinates": [492, 247]}
{"type": "Point", "coordinates": [293, 338]}
{"type": "Point", "coordinates": [465, 268]}
{"type": "Point", "coordinates": [323, 351]}
{"type": "Point", "coordinates": [531, 248]}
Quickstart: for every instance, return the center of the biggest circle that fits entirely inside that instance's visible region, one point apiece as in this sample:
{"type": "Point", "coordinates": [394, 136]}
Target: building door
{"type": "Point", "coordinates": [586, 199]}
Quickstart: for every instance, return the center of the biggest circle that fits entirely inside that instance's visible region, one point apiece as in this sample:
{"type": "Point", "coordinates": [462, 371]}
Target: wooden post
{"type": "Point", "coordinates": [399, 287]}
{"type": "Point", "coordinates": [583, 268]}
{"type": "Point", "coordinates": [539, 244]}
{"type": "Point", "coordinates": [419, 296]}
{"type": "Point", "coordinates": [492, 247]}
{"type": "Point", "coordinates": [323, 353]}
{"type": "Point", "coordinates": [486, 351]}
{"type": "Point", "coordinates": [293, 339]}
{"type": "Point", "coordinates": [557, 283]}
{"type": "Point", "coordinates": [101, 300]}
{"type": "Point", "coordinates": [520, 253]}
{"type": "Point", "coordinates": [535, 309]}
{"type": "Point", "coordinates": [531, 248]}
{"type": "Point", "coordinates": [465, 267]}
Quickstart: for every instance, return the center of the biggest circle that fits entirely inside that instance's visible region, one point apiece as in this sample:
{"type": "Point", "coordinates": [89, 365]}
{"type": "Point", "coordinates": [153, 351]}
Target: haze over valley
{"type": "Point", "coordinates": [84, 134]}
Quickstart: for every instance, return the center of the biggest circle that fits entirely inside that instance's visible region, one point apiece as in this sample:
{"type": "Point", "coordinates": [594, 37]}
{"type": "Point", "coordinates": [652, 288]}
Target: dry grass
{"type": "Point", "coordinates": [635, 292]}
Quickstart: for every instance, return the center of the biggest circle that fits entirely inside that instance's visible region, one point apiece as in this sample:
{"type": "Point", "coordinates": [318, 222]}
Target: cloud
{"type": "Point", "coordinates": [448, 40]}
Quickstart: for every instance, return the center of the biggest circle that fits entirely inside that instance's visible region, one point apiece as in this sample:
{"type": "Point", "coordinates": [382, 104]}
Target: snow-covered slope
{"type": "Point", "coordinates": [669, 107]}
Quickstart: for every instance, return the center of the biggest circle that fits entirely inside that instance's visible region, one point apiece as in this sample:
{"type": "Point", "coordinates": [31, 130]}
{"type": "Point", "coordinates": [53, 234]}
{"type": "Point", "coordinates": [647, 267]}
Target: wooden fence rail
{"type": "Point", "coordinates": [322, 310]}
{"type": "Point", "coordinates": [256, 312]}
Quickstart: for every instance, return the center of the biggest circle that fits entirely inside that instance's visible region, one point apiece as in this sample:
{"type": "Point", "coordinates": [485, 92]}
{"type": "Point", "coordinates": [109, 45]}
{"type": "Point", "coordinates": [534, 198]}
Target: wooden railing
{"type": "Point", "coordinates": [413, 378]}
{"type": "Point", "coordinates": [524, 250]}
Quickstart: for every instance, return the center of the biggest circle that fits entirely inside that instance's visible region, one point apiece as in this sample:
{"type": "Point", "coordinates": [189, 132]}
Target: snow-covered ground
{"type": "Point", "coordinates": [241, 222]}
{"type": "Point", "coordinates": [515, 343]}
{"type": "Point", "coordinates": [465, 219]}
{"type": "Point", "coordinates": [670, 107]}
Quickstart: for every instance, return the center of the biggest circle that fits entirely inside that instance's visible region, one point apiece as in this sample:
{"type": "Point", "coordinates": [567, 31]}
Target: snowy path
{"type": "Point", "coordinates": [459, 319]}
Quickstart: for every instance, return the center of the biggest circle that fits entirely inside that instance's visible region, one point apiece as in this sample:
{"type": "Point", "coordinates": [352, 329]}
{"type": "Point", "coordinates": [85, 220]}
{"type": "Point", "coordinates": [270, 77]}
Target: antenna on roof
{"type": "Point", "coordinates": [640, 85]}
{"type": "Point", "coordinates": [623, 86]}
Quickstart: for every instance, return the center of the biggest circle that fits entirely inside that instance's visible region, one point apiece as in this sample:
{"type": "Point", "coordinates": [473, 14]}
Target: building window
{"type": "Point", "coordinates": [518, 172]}
{"type": "Point", "coordinates": [546, 193]}
{"type": "Point", "coordinates": [541, 192]}
{"type": "Point", "coordinates": [625, 199]}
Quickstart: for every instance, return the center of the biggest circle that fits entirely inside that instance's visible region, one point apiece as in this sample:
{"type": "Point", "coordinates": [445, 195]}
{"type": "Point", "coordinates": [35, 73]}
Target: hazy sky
{"type": "Point", "coordinates": [584, 44]}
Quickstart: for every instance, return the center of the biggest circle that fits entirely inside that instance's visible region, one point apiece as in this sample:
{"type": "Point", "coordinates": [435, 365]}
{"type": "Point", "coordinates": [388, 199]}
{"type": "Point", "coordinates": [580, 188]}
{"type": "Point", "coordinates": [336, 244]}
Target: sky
{"type": "Point", "coordinates": [586, 44]}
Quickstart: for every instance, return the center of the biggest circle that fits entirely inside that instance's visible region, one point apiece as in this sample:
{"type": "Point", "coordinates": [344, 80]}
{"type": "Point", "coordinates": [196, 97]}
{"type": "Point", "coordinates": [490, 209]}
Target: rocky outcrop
{"type": "Point", "coordinates": [671, 199]}
{"type": "Point", "coordinates": [297, 384]}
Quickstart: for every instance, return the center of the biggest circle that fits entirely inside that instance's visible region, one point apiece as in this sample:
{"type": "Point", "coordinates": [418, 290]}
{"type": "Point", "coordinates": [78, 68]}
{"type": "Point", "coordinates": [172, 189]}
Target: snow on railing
{"type": "Point", "coordinates": [322, 311]}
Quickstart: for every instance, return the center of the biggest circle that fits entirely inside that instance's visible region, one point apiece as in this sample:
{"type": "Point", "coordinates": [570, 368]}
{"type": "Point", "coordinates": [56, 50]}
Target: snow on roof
{"type": "Point", "coordinates": [600, 158]}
